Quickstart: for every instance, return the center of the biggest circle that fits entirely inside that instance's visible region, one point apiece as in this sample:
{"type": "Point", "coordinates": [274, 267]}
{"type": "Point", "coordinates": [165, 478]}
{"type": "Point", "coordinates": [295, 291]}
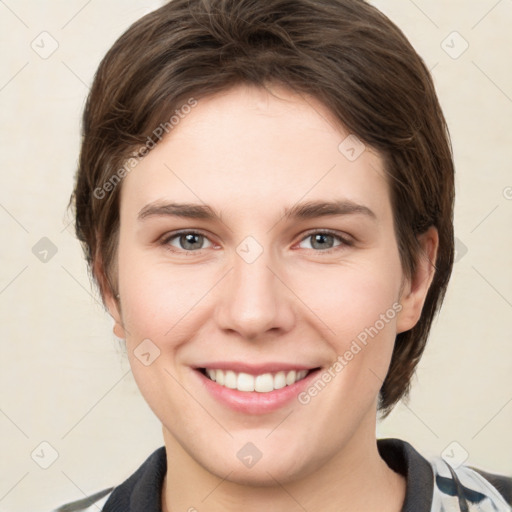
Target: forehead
{"type": "Point", "coordinates": [248, 148]}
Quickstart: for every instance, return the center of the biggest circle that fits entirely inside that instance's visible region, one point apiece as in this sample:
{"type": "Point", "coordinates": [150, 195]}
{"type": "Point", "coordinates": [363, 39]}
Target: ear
{"type": "Point", "coordinates": [415, 289]}
{"type": "Point", "coordinates": [109, 297]}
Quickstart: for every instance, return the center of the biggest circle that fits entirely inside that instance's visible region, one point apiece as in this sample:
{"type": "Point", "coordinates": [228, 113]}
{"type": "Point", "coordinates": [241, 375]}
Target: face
{"type": "Point", "coordinates": [260, 286]}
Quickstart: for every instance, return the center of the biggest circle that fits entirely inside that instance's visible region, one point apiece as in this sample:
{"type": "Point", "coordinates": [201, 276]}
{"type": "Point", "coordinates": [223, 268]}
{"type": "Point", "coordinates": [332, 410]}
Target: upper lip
{"type": "Point", "coordinates": [254, 369]}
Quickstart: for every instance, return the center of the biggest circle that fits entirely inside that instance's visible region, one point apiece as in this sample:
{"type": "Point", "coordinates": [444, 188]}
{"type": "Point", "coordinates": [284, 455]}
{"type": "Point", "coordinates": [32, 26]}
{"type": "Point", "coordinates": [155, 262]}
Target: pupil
{"type": "Point", "coordinates": [190, 240]}
{"type": "Point", "coordinates": [321, 239]}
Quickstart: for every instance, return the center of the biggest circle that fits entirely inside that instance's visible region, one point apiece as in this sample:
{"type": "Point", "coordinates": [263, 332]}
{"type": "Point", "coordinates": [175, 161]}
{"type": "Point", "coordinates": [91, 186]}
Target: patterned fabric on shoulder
{"type": "Point", "coordinates": [466, 489]}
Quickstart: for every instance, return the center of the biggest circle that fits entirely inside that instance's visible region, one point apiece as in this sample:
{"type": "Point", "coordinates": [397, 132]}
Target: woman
{"type": "Point", "coordinates": [265, 199]}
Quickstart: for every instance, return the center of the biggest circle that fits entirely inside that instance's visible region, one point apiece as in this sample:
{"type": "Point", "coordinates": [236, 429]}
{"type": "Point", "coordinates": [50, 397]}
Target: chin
{"type": "Point", "coordinates": [263, 474]}
{"type": "Point", "coordinates": [276, 463]}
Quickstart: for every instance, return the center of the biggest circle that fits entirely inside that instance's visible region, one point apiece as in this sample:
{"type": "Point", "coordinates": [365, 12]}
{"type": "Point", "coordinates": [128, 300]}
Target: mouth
{"type": "Point", "coordinates": [254, 390]}
{"type": "Point", "coordinates": [260, 383]}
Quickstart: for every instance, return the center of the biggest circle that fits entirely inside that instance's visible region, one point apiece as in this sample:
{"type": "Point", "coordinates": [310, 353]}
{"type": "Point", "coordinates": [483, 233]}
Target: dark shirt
{"type": "Point", "coordinates": [433, 486]}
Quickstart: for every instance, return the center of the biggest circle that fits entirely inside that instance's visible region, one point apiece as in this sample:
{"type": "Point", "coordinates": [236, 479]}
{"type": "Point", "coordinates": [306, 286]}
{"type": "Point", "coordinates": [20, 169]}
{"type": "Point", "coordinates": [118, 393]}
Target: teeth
{"type": "Point", "coordinates": [290, 377]}
{"type": "Point", "coordinates": [244, 382]}
{"type": "Point", "coordinates": [263, 383]}
{"type": "Point", "coordinates": [279, 380]}
{"type": "Point", "coordinates": [230, 379]}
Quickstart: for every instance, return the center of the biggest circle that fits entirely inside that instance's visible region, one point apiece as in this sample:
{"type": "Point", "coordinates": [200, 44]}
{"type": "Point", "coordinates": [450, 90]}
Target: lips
{"type": "Point", "coordinates": [262, 383]}
{"type": "Point", "coordinates": [254, 388]}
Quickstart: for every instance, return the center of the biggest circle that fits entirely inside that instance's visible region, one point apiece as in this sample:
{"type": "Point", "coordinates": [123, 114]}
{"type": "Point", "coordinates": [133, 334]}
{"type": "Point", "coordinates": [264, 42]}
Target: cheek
{"type": "Point", "coordinates": [359, 305]}
{"type": "Point", "coordinates": [351, 298]}
{"type": "Point", "coordinates": [162, 302]}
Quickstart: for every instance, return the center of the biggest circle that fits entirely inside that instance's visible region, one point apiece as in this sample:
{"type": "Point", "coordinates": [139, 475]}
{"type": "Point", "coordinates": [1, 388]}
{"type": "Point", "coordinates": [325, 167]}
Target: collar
{"type": "Point", "coordinates": [142, 491]}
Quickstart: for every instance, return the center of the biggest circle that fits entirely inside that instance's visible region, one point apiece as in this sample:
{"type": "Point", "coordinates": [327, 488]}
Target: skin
{"type": "Point", "coordinates": [249, 154]}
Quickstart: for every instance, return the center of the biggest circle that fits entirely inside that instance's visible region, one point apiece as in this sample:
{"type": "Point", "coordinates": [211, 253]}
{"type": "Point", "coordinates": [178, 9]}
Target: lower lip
{"type": "Point", "coordinates": [254, 402]}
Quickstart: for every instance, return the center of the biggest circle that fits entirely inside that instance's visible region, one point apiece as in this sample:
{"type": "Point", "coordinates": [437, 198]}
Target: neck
{"type": "Point", "coordinates": [355, 478]}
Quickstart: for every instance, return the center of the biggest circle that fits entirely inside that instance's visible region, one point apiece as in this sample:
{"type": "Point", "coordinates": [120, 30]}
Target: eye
{"type": "Point", "coordinates": [192, 241]}
{"type": "Point", "coordinates": [325, 240]}
{"type": "Point", "coordinates": [188, 241]}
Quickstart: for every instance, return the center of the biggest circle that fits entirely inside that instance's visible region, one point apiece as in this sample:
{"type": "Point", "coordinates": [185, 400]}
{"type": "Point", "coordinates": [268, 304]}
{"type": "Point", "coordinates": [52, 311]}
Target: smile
{"type": "Point", "coordinates": [263, 383]}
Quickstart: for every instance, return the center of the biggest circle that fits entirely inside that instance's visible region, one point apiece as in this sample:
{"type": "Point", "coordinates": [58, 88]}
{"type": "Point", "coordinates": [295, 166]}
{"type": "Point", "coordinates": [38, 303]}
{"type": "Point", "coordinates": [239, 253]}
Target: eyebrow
{"type": "Point", "coordinates": [300, 211]}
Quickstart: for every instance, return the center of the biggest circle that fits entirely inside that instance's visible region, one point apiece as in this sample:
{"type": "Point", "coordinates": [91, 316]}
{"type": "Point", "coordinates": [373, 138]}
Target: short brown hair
{"type": "Point", "coordinates": [344, 53]}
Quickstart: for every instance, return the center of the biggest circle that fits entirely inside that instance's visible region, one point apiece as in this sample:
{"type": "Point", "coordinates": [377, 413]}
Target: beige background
{"type": "Point", "coordinates": [63, 377]}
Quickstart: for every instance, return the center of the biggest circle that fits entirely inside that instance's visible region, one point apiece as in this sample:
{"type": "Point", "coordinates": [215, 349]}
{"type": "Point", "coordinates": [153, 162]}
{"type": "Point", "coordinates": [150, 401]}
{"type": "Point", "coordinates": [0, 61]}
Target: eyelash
{"type": "Point", "coordinates": [344, 242]}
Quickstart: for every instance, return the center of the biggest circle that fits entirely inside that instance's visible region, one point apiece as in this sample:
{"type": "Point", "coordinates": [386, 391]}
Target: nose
{"type": "Point", "coordinates": [255, 300]}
